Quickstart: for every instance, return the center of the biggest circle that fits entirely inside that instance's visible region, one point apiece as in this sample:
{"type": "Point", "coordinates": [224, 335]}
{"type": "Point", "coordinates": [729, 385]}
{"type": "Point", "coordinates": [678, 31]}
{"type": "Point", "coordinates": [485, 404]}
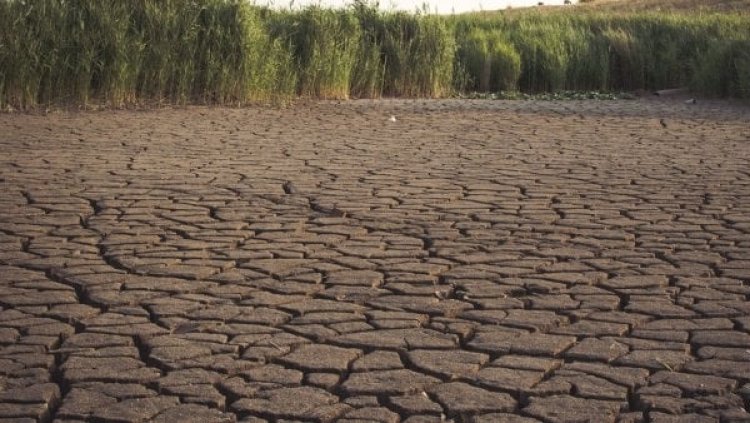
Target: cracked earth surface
{"type": "Point", "coordinates": [472, 261]}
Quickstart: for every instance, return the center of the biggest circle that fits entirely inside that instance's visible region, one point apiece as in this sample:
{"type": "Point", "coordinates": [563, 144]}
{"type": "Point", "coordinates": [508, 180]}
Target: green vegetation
{"type": "Point", "coordinates": [490, 61]}
{"type": "Point", "coordinates": [71, 51]}
{"type": "Point", "coordinates": [122, 52]}
{"type": "Point", "coordinates": [570, 50]}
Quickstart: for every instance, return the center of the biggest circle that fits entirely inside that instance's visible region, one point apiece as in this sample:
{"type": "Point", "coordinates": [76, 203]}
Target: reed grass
{"type": "Point", "coordinates": [725, 71]}
{"type": "Point", "coordinates": [490, 60]}
{"type": "Point", "coordinates": [325, 45]}
{"type": "Point", "coordinates": [122, 52]}
{"type": "Point", "coordinates": [419, 52]}
{"type": "Point", "coordinates": [368, 78]}
{"type": "Point", "coordinates": [128, 51]}
{"type": "Point", "coordinates": [581, 49]}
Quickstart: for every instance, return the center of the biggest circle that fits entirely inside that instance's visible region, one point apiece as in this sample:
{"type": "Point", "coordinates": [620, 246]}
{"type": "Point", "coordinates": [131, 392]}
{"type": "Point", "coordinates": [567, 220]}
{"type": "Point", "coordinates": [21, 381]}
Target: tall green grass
{"type": "Point", "coordinates": [122, 52]}
{"type": "Point", "coordinates": [418, 53]}
{"type": "Point", "coordinates": [490, 61]}
{"type": "Point", "coordinates": [126, 51]}
{"type": "Point", "coordinates": [367, 53]}
{"type": "Point", "coordinates": [574, 49]}
{"type": "Point", "coordinates": [725, 71]}
{"type": "Point", "coordinates": [325, 45]}
{"type": "Point", "coordinates": [368, 78]}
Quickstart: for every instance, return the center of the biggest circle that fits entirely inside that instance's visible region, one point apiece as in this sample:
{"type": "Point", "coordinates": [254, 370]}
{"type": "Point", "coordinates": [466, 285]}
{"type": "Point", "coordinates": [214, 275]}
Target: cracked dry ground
{"type": "Point", "coordinates": [472, 261]}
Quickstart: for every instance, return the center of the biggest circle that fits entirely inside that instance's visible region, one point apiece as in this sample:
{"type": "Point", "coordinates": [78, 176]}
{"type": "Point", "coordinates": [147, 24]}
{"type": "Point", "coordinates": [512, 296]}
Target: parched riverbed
{"type": "Point", "coordinates": [377, 261]}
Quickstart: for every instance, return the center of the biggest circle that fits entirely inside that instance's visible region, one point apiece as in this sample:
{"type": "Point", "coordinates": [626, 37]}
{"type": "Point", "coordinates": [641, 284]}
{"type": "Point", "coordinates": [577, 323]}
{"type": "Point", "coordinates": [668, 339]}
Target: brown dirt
{"type": "Point", "coordinates": [483, 261]}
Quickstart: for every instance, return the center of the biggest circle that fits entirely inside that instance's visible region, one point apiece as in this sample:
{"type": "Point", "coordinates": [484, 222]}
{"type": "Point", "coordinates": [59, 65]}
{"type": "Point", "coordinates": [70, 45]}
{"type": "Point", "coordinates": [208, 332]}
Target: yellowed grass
{"type": "Point", "coordinates": [668, 5]}
{"type": "Point", "coordinates": [628, 6]}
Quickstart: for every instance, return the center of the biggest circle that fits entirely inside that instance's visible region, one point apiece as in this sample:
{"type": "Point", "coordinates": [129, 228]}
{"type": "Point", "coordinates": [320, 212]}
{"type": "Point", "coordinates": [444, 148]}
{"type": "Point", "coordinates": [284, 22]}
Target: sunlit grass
{"type": "Point", "coordinates": [121, 52]}
{"type": "Point", "coordinates": [576, 49]}
{"type": "Point", "coordinates": [128, 51]}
